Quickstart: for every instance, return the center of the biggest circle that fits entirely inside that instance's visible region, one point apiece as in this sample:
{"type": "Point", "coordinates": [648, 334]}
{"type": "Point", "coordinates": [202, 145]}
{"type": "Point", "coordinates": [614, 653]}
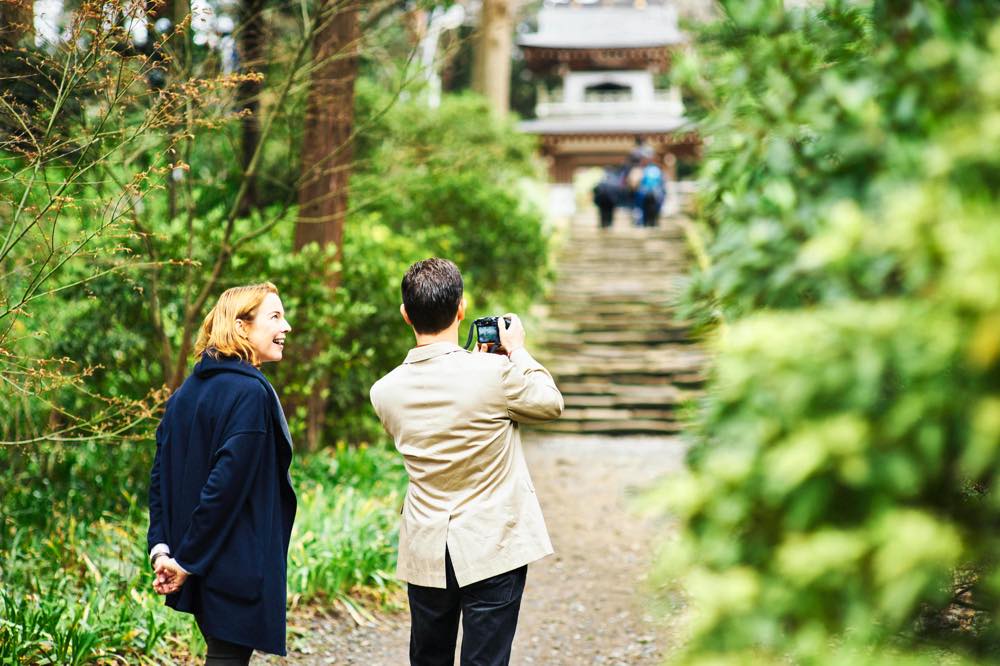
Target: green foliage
{"type": "Point", "coordinates": [842, 493]}
{"type": "Point", "coordinates": [74, 583]}
{"type": "Point", "coordinates": [445, 182]}
{"type": "Point", "coordinates": [456, 171]}
{"type": "Point", "coordinates": [347, 534]}
{"type": "Point", "coordinates": [75, 586]}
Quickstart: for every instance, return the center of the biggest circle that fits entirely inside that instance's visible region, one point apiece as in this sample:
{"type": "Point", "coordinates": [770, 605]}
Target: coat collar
{"type": "Point", "coordinates": [432, 350]}
{"type": "Point", "coordinates": [208, 365]}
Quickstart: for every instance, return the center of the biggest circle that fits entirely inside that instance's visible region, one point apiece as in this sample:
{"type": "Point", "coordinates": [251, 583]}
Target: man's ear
{"type": "Point", "coordinates": [461, 308]}
{"type": "Point", "coordinates": [406, 317]}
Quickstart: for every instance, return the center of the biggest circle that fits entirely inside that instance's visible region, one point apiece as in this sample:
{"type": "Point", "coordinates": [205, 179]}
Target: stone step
{"type": "Point", "coordinates": [635, 258]}
{"type": "Point", "coordinates": [633, 427]}
{"type": "Point", "coordinates": [608, 358]}
{"type": "Point", "coordinates": [596, 307]}
{"type": "Point", "coordinates": [646, 323]}
{"type": "Point", "coordinates": [598, 253]}
{"type": "Point", "coordinates": [610, 392]}
{"type": "Point", "coordinates": [624, 267]}
{"type": "Point", "coordinates": [609, 414]}
{"type": "Point", "coordinates": [578, 402]}
{"type": "Point", "coordinates": [625, 235]}
{"type": "Point", "coordinates": [612, 360]}
{"type": "Point", "coordinates": [601, 315]}
{"type": "Point", "coordinates": [598, 249]}
{"type": "Point", "coordinates": [566, 340]}
{"type": "Point", "coordinates": [585, 320]}
{"type": "Point", "coordinates": [616, 402]}
{"type": "Point", "coordinates": [612, 294]}
{"type": "Point", "coordinates": [605, 306]}
{"type": "Point", "coordinates": [587, 279]}
{"type": "Point", "coordinates": [628, 289]}
{"type": "Point", "coordinates": [683, 379]}
{"type": "Point", "coordinates": [662, 297]}
{"type": "Point", "coordinates": [612, 282]}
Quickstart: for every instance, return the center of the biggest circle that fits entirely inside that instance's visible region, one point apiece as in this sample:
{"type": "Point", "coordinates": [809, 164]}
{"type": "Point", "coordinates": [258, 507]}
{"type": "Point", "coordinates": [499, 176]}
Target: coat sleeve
{"type": "Point", "coordinates": [230, 480]}
{"type": "Point", "coordinates": [530, 391]}
{"type": "Point", "coordinates": [375, 395]}
{"type": "Point", "coordinates": [157, 532]}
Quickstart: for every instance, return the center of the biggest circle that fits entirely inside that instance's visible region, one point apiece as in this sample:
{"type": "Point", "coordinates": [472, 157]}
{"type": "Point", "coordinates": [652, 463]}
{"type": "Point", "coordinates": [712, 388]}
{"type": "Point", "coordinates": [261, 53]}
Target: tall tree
{"type": "Point", "coordinates": [327, 153]}
{"type": "Point", "coordinates": [178, 13]}
{"type": "Point", "coordinates": [491, 74]}
{"type": "Point", "coordinates": [252, 42]}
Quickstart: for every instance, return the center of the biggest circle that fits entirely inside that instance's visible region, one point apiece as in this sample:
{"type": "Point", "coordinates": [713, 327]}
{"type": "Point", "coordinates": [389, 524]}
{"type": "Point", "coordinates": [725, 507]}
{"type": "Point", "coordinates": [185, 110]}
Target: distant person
{"type": "Point", "coordinates": [470, 523]}
{"type": "Point", "coordinates": [650, 191]}
{"type": "Point", "coordinates": [608, 194]}
{"type": "Point", "coordinates": [221, 503]}
{"type": "Point", "coordinates": [638, 152]}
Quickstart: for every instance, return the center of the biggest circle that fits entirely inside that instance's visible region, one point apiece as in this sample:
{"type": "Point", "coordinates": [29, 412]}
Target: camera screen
{"type": "Point", "coordinates": [489, 334]}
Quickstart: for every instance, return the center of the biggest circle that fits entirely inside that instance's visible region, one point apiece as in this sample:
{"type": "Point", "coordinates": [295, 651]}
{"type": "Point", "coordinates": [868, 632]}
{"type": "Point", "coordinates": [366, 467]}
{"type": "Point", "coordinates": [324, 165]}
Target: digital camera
{"type": "Point", "coordinates": [487, 331]}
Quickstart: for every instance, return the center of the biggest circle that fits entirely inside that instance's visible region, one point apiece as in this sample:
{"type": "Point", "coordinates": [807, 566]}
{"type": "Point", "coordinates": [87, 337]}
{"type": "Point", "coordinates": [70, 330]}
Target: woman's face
{"type": "Point", "coordinates": [266, 332]}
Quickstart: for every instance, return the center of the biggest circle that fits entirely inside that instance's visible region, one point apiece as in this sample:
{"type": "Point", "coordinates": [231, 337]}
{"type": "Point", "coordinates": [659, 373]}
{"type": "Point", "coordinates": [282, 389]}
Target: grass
{"type": "Point", "coordinates": [346, 531]}
{"type": "Point", "coordinates": [75, 587]}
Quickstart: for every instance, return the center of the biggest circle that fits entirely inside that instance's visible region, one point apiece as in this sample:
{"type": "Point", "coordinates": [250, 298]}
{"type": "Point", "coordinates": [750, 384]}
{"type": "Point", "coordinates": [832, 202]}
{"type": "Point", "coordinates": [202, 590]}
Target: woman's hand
{"type": "Point", "coordinates": [169, 575]}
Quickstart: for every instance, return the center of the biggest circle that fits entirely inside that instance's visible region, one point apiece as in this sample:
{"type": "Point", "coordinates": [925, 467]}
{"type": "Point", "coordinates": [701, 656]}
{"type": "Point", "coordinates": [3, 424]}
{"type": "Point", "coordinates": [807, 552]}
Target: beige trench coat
{"type": "Point", "coordinates": [454, 417]}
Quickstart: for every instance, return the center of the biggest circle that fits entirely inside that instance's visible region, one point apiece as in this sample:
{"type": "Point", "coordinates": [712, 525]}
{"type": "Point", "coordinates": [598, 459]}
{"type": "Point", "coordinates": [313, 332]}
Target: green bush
{"type": "Point", "coordinates": [75, 586]}
{"type": "Point", "coordinates": [459, 173]}
{"type": "Point", "coordinates": [346, 534]}
{"type": "Point", "coordinates": [844, 483]}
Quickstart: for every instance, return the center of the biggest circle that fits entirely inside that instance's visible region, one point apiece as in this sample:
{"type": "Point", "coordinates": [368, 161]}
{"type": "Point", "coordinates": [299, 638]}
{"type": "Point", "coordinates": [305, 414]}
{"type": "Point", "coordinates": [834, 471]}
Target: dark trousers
{"type": "Point", "coordinates": [224, 653]}
{"type": "Point", "coordinates": [650, 204]}
{"type": "Point", "coordinates": [488, 609]}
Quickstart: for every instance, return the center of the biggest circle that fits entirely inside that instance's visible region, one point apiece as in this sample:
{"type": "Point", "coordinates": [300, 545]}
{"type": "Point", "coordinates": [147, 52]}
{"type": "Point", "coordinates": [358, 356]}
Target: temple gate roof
{"type": "Point", "coordinates": [600, 25]}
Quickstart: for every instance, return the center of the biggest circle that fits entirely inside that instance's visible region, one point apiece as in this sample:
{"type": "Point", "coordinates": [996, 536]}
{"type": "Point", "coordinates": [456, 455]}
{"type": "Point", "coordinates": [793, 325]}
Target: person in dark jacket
{"type": "Point", "coordinates": [221, 502]}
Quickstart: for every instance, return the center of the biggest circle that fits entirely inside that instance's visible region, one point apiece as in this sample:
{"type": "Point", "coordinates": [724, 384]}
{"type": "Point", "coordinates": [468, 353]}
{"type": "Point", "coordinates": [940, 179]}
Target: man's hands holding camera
{"type": "Point", "coordinates": [511, 336]}
{"type": "Point", "coordinates": [169, 575]}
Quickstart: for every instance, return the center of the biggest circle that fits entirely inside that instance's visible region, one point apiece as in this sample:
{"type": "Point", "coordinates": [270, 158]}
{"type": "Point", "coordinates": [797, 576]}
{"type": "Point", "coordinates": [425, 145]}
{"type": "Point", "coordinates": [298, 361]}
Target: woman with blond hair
{"type": "Point", "coordinates": [221, 503]}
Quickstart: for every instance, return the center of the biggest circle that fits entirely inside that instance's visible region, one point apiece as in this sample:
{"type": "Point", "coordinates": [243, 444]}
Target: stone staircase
{"type": "Point", "coordinates": [621, 360]}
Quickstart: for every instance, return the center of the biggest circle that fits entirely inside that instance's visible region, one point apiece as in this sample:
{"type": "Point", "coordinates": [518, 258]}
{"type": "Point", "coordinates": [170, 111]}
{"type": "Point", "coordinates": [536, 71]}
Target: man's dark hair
{"type": "Point", "coordinates": [432, 291]}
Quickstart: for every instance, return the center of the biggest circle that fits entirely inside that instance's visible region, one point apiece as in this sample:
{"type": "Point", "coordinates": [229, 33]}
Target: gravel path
{"type": "Point", "coordinates": [587, 604]}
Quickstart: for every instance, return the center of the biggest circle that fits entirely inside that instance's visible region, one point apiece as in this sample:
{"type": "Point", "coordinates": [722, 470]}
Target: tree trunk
{"type": "Point", "coordinates": [17, 22]}
{"type": "Point", "coordinates": [176, 11]}
{"type": "Point", "coordinates": [327, 154]}
{"type": "Point", "coordinates": [251, 51]}
{"type": "Point", "coordinates": [491, 73]}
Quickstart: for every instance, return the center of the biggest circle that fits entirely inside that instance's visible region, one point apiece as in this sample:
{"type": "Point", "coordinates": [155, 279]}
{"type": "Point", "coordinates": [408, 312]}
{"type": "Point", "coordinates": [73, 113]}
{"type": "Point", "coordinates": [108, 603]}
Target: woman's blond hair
{"type": "Point", "coordinates": [219, 336]}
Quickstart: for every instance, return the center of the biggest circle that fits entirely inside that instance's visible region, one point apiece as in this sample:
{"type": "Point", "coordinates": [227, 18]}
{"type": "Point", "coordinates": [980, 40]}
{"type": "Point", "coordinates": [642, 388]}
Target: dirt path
{"type": "Point", "coordinates": [587, 604]}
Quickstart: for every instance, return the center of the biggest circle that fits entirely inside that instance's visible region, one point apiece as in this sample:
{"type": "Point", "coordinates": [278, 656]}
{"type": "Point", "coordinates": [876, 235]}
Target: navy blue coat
{"type": "Point", "coordinates": [221, 498]}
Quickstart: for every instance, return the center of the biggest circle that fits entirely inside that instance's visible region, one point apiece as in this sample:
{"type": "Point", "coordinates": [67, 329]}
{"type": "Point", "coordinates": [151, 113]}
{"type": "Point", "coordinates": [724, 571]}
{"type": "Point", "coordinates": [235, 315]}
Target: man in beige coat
{"type": "Point", "coordinates": [471, 522]}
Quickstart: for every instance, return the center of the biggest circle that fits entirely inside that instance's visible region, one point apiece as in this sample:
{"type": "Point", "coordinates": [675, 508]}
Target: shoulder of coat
{"type": "Point", "coordinates": [487, 362]}
{"type": "Point", "coordinates": [241, 385]}
{"type": "Point", "coordinates": [386, 380]}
